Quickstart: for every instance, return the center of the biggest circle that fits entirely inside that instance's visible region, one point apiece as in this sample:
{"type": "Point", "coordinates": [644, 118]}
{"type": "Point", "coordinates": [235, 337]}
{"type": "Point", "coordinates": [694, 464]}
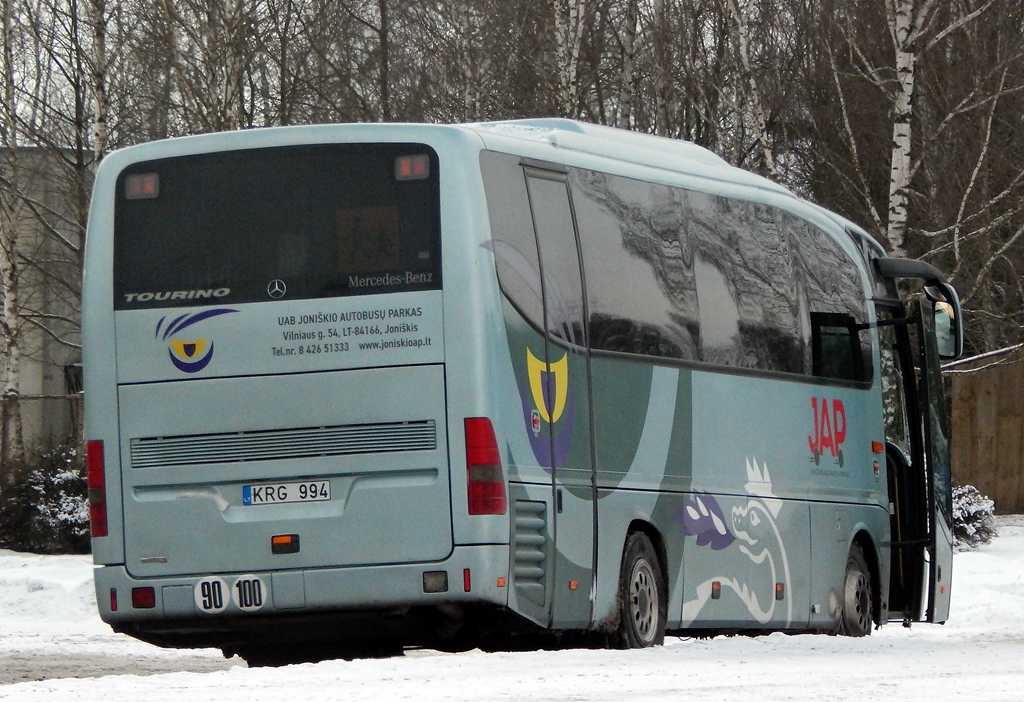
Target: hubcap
{"type": "Point", "coordinates": [643, 601]}
{"type": "Point", "coordinates": [858, 608]}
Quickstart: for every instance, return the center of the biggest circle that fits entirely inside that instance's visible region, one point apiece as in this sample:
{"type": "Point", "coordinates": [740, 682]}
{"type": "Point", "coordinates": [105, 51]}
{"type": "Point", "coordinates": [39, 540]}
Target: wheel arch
{"type": "Point", "coordinates": [656, 539]}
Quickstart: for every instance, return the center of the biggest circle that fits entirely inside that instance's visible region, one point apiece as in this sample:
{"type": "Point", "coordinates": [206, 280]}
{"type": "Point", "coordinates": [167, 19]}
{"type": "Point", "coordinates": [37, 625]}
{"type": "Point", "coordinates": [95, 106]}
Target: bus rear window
{"type": "Point", "coordinates": [283, 223]}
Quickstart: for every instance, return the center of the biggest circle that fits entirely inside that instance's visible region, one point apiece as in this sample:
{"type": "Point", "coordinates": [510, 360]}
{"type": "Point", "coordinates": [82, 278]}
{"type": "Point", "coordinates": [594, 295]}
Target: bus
{"type": "Point", "coordinates": [352, 388]}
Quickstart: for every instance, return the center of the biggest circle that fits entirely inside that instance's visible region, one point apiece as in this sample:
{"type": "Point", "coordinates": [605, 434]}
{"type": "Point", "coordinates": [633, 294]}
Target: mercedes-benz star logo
{"type": "Point", "coordinates": [277, 288]}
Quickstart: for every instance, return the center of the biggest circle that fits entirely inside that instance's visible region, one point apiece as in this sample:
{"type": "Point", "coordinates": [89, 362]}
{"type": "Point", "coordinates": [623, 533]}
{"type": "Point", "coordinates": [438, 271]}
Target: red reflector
{"type": "Point", "coordinates": [412, 167]}
{"type": "Point", "coordinates": [485, 476]}
{"type": "Point", "coordinates": [113, 599]}
{"type": "Point", "coordinates": [143, 186]}
{"type": "Point", "coordinates": [96, 483]}
{"type": "Point", "coordinates": [143, 597]}
{"type": "Point", "coordinates": [467, 583]}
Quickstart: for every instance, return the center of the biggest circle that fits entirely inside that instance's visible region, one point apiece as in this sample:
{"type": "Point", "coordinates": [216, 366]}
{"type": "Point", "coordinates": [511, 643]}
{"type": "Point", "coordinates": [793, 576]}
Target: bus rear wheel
{"type": "Point", "coordinates": [858, 610]}
{"type": "Point", "coordinates": [643, 606]}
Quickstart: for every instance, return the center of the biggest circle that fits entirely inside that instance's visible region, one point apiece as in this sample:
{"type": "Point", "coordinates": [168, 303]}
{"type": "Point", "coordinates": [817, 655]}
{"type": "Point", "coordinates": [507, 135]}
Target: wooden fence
{"type": "Point", "coordinates": [988, 434]}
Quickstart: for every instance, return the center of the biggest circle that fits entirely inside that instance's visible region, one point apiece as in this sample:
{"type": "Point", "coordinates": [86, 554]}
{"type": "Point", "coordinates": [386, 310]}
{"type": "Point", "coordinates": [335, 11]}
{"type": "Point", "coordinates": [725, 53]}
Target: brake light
{"type": "Point", "coordinates": [486, 478]}
{"type": "Point", "coordinates": [97, 488]}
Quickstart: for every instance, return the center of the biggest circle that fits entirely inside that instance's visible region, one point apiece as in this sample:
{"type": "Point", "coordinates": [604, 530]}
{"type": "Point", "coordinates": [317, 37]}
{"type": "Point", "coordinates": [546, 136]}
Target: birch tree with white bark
{"type": "Point", "coordinates": [747, 83]}
{"type": "Point", "coordinates": [569, 21]}
{"type": "Point", "coordinates": [914, 28]}
{"type": "Point", "coordinates": [943, 94]}
{"type": "Point", "coordinates": [11, 224]}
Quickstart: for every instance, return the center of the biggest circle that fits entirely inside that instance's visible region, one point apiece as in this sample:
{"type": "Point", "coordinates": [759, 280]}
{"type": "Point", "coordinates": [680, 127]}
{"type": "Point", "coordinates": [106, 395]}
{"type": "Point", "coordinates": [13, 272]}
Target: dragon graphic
{"type": "Point", "coordinates": [752, 528]}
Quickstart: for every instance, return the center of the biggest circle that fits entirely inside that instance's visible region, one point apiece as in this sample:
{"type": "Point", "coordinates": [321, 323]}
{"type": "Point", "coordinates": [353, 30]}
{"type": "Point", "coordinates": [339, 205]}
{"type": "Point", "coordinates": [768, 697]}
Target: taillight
{"type": "Point", "coordinates": [486, 478]}
{"type": "Point", "coordinates": [97, 488]}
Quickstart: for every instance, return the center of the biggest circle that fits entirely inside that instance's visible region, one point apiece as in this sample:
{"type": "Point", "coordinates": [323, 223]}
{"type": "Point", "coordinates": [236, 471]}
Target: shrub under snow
{"type": "Point", "coordinates": [43, 504]}
{"type": "Point", "coordinates": [973, 521]}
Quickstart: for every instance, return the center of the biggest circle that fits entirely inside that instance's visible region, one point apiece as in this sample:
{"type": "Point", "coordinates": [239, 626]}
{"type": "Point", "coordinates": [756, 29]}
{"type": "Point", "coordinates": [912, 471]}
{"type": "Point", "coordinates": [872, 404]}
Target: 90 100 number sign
{"type": "Point", "coordinates": [248, 593]}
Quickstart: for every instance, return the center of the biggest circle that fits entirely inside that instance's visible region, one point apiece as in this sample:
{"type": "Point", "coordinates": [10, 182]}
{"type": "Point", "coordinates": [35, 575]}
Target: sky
{"type": "Point", "coordinates": [49, 629]}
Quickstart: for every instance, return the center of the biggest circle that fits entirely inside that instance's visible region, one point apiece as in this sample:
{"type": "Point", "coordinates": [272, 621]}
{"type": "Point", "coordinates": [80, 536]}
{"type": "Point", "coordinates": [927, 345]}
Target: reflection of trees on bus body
{"type": "Point", "coordinates": [713, 280]}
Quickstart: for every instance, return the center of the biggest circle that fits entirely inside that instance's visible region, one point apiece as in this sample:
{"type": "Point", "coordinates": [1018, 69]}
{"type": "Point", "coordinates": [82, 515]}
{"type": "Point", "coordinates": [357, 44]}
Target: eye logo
{"type": "Point", "coordinates": [191, 354]}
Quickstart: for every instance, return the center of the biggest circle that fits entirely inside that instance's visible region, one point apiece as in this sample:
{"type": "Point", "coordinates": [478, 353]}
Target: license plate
{"type": "Point", "coordinates": [283, 493]}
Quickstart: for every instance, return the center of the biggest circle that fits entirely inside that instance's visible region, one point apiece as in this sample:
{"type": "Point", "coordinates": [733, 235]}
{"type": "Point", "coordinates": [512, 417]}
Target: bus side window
{"type": "Point", "coordinates": [513, 242]}
{"type": "Point", "coordinates": [639, 268]}
{"type": "Point", "coordinates": [840, 346]}
{"type": "Point", "coordinates": [556, 236]}
{"type": "Point", "coordinates": [749, 305]}
{"type": "Point", "coordinates": [836, 349]}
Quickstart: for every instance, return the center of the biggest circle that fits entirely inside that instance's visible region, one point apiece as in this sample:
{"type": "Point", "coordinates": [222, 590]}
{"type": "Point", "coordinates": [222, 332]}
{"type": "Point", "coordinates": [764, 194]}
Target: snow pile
{"type": "Point", "coordinates": [37, 590]}
{"type": "Point", "coordinates": [988, 588]}
{"type": "Point", "coordinates": [45, 607]}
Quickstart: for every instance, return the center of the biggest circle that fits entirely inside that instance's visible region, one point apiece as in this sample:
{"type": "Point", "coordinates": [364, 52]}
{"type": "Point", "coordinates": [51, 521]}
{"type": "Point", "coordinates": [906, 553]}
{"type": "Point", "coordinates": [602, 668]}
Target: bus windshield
{"type": "Point", "coordinates": [260, 224]}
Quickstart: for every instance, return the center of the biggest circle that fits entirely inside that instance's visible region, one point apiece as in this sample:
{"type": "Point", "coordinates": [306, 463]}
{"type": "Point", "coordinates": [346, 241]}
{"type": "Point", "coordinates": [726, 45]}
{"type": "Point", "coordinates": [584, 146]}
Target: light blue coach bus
{"type": "Point", "coordinates": [357, 387]}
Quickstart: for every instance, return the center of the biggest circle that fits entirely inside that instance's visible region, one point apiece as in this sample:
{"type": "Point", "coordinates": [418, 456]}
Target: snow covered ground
{"type": "Point", "coordinates": [49, 629]}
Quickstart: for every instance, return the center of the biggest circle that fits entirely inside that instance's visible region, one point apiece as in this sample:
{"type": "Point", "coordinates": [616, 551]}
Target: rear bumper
{"type": "Point", "coordinates": [296, 599]}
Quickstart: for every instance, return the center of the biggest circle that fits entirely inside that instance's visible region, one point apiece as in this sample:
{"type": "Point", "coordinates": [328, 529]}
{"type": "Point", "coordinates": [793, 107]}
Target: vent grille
{"type": "Point", "coordinates": [528, 555]}
{"type": "Point", "coordinates": [277, 444]}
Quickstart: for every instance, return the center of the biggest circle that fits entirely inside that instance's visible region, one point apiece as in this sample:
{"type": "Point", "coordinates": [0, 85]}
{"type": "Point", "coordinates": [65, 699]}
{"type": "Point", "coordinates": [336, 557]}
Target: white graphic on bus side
{"type": "Point", "coordinates": [753, 530]}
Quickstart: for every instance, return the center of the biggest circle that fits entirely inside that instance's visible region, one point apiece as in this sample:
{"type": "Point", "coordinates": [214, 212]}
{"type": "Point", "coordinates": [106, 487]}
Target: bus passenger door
{"type": "Point", "coordinates": [936, 432]}
{"type": "Point", "coordinates": [562, 381]}
{"type": "Point", "coordinates": [918, 468]}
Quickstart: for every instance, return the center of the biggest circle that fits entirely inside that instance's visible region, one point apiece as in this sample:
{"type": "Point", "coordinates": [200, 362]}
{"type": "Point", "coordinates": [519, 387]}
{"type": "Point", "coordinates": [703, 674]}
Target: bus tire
{"type": "Point", "coordinates": [858, 615]}
{"type": "Point", "coordinates": [643, 605]}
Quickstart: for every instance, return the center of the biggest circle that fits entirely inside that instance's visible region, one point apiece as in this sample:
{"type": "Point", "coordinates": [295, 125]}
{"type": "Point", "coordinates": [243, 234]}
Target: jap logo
{"type": "Point", "coordinates": [189, 353]}
{"type": "Point", "coordinates": [829, 429]}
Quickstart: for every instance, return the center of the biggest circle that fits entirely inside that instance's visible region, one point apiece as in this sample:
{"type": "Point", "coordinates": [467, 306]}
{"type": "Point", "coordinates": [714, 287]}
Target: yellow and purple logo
{"type": "Point", "coordinates": [547, 380]}
{"type": "Point", "coordinates": [190, 354]}
{"type": "Point", "coordinates": [548, 403]}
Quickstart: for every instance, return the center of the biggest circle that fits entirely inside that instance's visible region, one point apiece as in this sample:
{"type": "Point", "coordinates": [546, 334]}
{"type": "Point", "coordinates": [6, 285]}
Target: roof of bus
{"type": "Point", "coordinates": [623, 145]}
{"type": "Point", "coordinates": [650, 150]}
{"type": "Point", "coordinates": [673, 155]}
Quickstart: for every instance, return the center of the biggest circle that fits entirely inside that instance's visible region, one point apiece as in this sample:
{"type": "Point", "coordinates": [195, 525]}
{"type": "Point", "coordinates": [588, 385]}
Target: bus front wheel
{"type": "Point", "coordinates": [857, 603]}
{"type": "Point", "coordinates": [643, 606]}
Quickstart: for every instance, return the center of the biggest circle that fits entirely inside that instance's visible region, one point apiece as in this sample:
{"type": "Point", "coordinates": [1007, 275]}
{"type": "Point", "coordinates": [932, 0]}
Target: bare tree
{"type": "Point", "coordinates": [942, 95]}
{"type": "Point", "coordinates": [624, 118]}
{"type": "Point", "coordinates": [10, 234]}
{"type": "Point", "coordinates": [208, 45]}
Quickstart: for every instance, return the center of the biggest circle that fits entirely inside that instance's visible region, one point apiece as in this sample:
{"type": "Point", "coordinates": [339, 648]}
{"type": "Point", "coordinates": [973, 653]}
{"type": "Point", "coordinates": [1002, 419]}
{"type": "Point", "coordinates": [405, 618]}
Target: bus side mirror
{"type": "Point", "coordinates": [949, 331]}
